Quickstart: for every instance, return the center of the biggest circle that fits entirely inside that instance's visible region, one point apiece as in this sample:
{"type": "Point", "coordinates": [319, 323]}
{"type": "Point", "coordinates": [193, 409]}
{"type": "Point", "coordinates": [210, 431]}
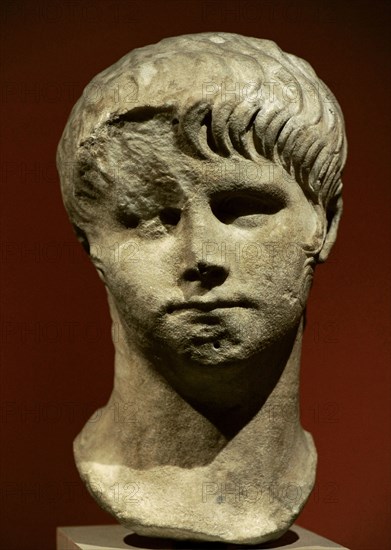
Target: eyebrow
{"type": "Point", "coordinates": [256, 189]}
{"type": "Point", "coordinates": [246, 173]}
{"type": "Point", "coordinates": [150, 191]}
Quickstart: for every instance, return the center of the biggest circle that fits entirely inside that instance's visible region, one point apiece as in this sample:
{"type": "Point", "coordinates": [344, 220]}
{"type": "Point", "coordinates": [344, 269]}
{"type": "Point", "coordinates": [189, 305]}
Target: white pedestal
{"type": "Point", "coordinates": [114, 537]}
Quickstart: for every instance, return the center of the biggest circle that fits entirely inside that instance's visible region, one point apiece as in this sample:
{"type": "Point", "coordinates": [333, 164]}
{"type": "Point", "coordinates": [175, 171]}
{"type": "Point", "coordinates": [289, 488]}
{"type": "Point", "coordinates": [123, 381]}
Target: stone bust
{"type": "Point", "coordinates": [202, 175]}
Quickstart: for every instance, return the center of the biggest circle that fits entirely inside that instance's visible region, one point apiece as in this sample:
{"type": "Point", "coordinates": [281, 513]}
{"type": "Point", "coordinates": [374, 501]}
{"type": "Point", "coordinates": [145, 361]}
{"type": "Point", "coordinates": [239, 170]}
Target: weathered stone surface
{"type": "Point", "coordinates": [203, 176]}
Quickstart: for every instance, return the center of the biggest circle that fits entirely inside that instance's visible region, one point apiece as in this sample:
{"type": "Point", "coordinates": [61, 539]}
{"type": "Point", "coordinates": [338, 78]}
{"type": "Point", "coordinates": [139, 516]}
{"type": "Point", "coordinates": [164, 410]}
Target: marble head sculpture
{"type": "Point", "coordinates": [203, 176]}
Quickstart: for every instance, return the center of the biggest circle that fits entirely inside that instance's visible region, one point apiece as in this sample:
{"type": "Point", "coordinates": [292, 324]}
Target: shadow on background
{"type": "Point", "coordinates": [150, 543]}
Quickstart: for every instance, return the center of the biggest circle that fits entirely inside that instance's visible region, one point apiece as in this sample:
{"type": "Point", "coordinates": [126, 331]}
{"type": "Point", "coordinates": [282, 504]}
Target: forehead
{"type": "Point", "coordinates": [147, 159]}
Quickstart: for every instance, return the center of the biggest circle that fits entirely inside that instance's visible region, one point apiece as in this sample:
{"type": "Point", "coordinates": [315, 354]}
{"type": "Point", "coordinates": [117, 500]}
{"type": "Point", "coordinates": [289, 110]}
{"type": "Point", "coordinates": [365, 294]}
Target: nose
{"type": "Point", "coordinates": [203, 266]}
{"type": "Point", "coordinates": [208, 275]}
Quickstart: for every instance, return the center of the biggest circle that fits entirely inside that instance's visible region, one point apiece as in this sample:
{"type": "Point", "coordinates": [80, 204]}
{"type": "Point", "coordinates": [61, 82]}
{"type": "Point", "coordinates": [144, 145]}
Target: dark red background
{"type": "Point", "coordinates": [57, 355]}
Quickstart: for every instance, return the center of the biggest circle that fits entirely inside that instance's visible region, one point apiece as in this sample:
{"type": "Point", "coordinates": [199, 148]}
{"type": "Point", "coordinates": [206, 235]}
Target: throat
{"type": "Point", "coordinates": [158, 424]}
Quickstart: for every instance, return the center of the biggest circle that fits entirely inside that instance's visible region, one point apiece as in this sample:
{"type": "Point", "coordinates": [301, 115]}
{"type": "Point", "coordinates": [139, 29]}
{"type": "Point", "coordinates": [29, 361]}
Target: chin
{"type": "Point", "coordinates": [216, 352]}
{"type": "Point", "coordinates": [227, 341]}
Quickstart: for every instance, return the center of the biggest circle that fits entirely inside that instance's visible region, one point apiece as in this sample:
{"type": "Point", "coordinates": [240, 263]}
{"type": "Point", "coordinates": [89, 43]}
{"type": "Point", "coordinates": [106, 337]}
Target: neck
{"type": "Point", "coordinates": [148, 426]}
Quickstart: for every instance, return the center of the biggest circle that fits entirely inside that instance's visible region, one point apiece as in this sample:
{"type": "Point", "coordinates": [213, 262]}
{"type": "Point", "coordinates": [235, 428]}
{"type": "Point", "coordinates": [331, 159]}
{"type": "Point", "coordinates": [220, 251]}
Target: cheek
{"type": "Point", "coordinates": [138, 281]}
{"type": "Point", "coordinates": [280, 275]}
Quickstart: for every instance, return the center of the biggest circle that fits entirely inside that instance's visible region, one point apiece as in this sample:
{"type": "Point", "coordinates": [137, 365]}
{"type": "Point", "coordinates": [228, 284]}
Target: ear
{"type": "Point", "coordinates": [333, 215]}
{"type": "Point", "coordinates": [82, 237]}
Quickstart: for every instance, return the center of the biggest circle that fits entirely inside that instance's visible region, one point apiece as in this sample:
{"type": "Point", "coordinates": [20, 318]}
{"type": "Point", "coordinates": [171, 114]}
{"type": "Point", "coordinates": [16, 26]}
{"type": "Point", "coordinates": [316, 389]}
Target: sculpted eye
{"type": "Point", "coordinates": [245, 208]}
{"type": "Point", "coordinates": [128, 219]}
{"type": "Point", "coordinates": [170, 216]}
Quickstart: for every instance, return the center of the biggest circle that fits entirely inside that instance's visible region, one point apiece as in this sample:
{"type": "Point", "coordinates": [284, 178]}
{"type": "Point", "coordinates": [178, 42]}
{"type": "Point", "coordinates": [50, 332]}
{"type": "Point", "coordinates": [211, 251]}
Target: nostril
{"type": "Point", "coordinates": [214, 273]}
{"type": "Point", "coordinates": [208, 275]}
{"type": "Point", "coordinates": [217, 272]}
{"type": "Point", "coordinates": [203, 269]}
{"type": "Point", "coordinates": [170, 216]}
{"type": "Point", "coordinates": [191, 275]}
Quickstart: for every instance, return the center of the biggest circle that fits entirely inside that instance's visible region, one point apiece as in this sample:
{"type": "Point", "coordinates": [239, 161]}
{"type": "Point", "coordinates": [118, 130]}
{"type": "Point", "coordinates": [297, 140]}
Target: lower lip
{"type": "Point", "coordinates": [205, 311]}
{"type": "Point", "coordinates": [203, 333]}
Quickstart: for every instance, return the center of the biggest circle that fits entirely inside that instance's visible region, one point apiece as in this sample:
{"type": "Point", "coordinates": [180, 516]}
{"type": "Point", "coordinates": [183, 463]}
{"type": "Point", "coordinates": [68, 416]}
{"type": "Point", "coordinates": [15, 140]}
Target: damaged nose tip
{"type": "Point", "coordinates": [208, 275]}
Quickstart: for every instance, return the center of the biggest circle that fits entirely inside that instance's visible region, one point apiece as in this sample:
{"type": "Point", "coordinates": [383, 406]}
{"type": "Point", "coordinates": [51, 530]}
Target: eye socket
{"type": "Point", "coordinates": [170, 216]}
{"type": "Point", "coordinates": [128, 219]}
{"type": "Point", "coordinates": [245, 207]}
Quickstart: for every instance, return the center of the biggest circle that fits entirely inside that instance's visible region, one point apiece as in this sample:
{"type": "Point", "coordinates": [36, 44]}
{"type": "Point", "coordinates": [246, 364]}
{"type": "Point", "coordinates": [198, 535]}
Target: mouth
{"type": "Point", "coordinates": [208, 305]}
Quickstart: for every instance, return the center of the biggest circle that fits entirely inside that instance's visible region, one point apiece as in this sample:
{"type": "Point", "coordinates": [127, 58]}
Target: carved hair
{"type": "Point", "coordinates": [239, 96]}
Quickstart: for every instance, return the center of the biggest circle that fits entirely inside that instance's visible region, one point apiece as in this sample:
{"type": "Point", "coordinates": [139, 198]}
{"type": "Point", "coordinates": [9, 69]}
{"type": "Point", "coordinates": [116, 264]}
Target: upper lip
{"type": "Point", "coordinates": [208, 305]}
